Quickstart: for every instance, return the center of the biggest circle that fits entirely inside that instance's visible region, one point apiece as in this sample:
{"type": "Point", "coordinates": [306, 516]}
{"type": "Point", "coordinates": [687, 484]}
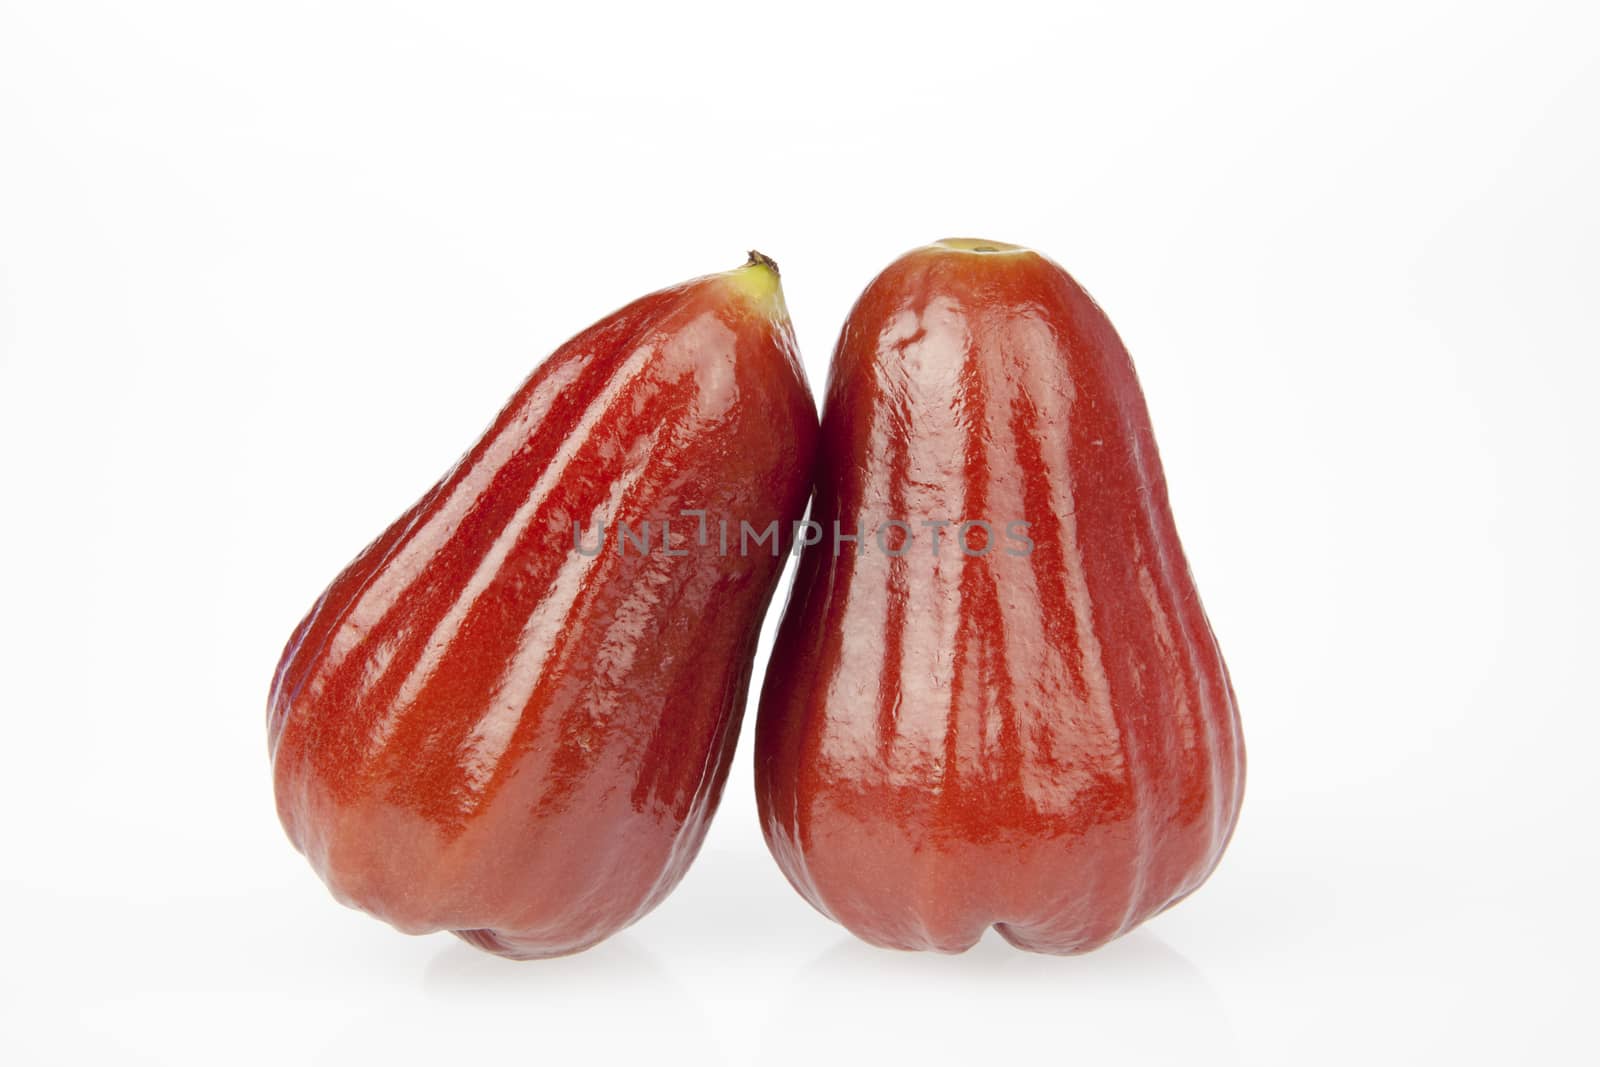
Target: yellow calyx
{"type": "Point", "coordinates": [977, 244]}
{"type": "Point", "coordinates": [758, 281]}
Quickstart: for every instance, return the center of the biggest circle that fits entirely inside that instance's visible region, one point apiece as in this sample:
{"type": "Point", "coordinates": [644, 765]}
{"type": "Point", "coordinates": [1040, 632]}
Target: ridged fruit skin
{"type": "Point", "coordinates": [1047, 742]}
{"type": "Point", "coordinates": [479, 729]}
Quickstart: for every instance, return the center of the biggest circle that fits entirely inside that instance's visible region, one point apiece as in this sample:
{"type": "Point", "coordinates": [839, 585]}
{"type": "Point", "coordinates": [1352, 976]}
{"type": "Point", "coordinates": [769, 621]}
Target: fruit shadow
{"type": "Point", "coordinates": [996, 1002]}
{"type": "Point", "coordinates": [461, 970]}
{"type": "Point", "coordinates": [584, 993]}
{"type": "Point", "coordinates": [1138, 959]}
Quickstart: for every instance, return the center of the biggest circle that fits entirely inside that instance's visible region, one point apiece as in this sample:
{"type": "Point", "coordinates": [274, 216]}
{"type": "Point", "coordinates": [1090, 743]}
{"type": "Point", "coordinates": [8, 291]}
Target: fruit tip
{"type": "Point", "coordinates": [758, 281]}
{"type": "Point", "coordinates": [978, 245]}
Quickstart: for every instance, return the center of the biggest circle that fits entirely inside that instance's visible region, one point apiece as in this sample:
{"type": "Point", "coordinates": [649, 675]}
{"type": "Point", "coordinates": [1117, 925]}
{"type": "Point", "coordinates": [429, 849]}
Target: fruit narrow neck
{"type": "Point", "coordinates": [758, 281]}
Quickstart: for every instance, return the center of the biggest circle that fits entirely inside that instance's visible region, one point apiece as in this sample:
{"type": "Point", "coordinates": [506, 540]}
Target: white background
{"type": "Point", "coordinates": [265, 270]}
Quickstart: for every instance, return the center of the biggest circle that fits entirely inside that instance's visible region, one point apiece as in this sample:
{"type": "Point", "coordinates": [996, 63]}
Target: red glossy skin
{"type": "Point", "coordinates": [478, 729]}
{"type": "Point", "coordinates": [1046, 742]}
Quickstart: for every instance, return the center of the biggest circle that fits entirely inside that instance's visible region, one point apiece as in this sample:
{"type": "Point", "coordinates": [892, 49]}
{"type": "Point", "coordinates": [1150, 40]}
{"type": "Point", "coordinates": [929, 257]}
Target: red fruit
{"type": "Point", "coordinates": [479, 728]}
{"type": "Point", "coordinates": [1035, 733]}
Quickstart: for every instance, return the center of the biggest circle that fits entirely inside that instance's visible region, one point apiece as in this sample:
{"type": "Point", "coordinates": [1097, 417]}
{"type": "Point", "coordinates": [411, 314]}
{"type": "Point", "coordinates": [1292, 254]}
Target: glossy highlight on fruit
{"type": "Point", "coordinates": [1033, 732]}
{"type": "Point", "coordinates": [494, 724]}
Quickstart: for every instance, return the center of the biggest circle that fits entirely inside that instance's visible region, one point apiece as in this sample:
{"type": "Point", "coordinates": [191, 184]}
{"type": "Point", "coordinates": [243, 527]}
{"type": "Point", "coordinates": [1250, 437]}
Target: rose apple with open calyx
{"type": "Point", "coordinates": [494, 724]}
{"type": "Point", "coordinates": [1009, 710]}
